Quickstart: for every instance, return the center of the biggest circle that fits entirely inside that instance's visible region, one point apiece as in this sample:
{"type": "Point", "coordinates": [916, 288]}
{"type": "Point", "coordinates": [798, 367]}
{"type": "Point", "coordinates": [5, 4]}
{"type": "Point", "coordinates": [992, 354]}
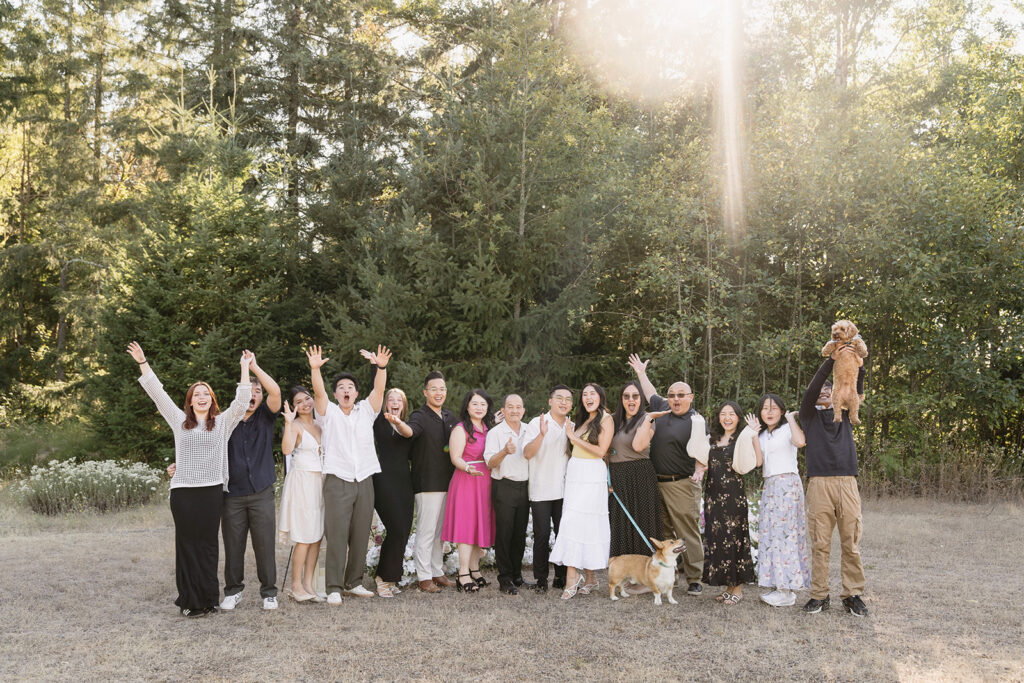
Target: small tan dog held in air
{"type": "Point", "coordinates": [844, 372]}
{"type": "Point", "coordinates": [657, 572]}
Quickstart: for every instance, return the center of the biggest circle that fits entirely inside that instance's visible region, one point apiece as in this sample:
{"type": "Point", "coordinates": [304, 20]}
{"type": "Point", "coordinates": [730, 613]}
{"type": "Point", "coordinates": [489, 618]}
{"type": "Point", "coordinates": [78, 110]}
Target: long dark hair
{"type": "Point", "coordinates": [594, 429]}
{"type": "Point", "coordinates": [774, 398]}
{"type": "Point", "coordinates": [191, 422]}
{"type": "Point", "coordinates": [716, 426]}
{"type": "Point", "coordinates": [466, 421]}
{"type": "Point", "coordinates": [621, 425]}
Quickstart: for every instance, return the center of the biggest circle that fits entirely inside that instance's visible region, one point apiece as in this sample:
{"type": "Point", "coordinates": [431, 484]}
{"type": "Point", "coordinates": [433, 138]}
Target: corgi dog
{"type": "Point", "coordinates": [657, 572]}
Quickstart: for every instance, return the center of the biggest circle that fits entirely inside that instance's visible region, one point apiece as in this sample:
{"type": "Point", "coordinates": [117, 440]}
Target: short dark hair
{"type": "Point", "coordinates": [343, 375]}
{"type": "Point", "coordinates": [432, 375]}
{"type": "Point", "coordinates": [558, 387]}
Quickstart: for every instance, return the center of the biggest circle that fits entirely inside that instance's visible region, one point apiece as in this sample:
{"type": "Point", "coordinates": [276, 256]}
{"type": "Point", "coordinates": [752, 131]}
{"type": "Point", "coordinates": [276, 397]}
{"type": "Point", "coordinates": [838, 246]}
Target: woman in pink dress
{"type": "Point", "coordinates": [468, 515]}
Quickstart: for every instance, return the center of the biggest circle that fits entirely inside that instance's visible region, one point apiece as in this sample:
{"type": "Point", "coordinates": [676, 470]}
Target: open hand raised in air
{"type": "Point", "coordinates": [315, 357]}
{"type": "Point", "coordinates": [639, 366]}
{"type": "Point", "coordinates": [380, 359]}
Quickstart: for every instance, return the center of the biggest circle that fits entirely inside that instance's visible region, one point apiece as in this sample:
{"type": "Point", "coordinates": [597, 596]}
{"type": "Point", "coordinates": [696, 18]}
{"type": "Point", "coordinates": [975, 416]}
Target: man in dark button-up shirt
{"type": "Point", "coordinates": [249, 501]}
{"type": "Point", "coordinates": [432, 471]}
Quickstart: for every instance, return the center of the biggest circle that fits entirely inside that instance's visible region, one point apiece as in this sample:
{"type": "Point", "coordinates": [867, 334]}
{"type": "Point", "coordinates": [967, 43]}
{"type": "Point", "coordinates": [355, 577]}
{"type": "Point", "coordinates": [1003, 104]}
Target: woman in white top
{"type": "Point", "coordinates": [584, 536]}
{"type": "Point", "coordinates": [199, 478]}
{"type": "Point", "coordinates": [782, 554]}
{"type": "Point", "coordinates": [302, 501]}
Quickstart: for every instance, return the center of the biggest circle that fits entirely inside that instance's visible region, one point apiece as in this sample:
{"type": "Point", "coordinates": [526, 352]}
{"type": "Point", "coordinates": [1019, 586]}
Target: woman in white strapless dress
{"type": "Point", "coordinates": [301, 520]}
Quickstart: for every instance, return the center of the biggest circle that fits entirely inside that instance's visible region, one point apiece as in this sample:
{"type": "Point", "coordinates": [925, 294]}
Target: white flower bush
{"type": "Point", "coordinates": [102, 485]}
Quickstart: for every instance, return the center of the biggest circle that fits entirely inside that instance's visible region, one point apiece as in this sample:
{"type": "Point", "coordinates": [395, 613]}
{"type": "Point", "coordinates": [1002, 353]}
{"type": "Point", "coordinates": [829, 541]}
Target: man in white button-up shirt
{"type": "Point", "coordinates": [350, 461]}
{"type": "Point", "coordinates": [510, 498]}
{"type": "Point", "coordinates": [544, 446]}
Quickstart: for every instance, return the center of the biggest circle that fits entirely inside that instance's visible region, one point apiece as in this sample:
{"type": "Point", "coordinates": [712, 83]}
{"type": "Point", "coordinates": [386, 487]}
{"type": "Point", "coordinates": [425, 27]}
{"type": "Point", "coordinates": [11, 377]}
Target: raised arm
{"type": "Point", "coordinates": [171, 413]}
{"type": "Point", "coordinates": [604, 438]}
{"type": "Point", "coordinates": [270, 388]}
{"type": "Point", "coordinates": [243, 392]}
{"type": "Point", "coordinates": [316, 361]}
{"type": "Point", "coordinates": [796, 433]}
{"type": "Point", "coordinates": [755, 425]}
{"type": "Point", "coordinates": [640, 368]}
{"type": "Point", "coordinates": [645, 432]}
{"type": "Point", "coordinates": [401, 427]}
{"type": "Point", "coordinates": [380, 379]}
{"type": "Point", "coordinates": [810, 396]}
{"type": "Point", "coordinates": [292, 434]}
{"type": "Point", "coordinates": [533, 446]}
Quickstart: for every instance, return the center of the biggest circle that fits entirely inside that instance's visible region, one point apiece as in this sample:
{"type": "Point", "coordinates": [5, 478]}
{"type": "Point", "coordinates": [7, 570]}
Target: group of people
{"type": "Point", "coordinates": [603, 482]}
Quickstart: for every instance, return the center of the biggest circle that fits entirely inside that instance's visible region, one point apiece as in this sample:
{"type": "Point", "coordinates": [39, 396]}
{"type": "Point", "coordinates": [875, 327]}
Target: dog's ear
{"type": "Point", "coordinates": [656, 542]}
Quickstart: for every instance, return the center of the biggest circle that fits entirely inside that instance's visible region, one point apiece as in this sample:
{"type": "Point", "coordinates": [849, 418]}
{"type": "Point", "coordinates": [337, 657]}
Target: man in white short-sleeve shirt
{"type": "Point", "coordinates": [544, 447]}
{"type": "Point", "coordinates": [350, 461]}
{"type": "Point", "coordinates": [510, 474]}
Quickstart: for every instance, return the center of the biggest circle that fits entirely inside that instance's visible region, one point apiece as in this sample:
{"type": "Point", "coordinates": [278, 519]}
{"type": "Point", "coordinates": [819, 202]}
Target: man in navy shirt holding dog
{"type": "Point", "coordinates": [833, 498]}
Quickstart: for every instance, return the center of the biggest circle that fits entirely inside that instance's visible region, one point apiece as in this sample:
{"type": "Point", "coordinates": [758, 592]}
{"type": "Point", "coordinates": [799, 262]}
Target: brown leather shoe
{"type": "Point", "coordinates": [443, 581]}
{"type": "Point", "coordinates": [429, 587]}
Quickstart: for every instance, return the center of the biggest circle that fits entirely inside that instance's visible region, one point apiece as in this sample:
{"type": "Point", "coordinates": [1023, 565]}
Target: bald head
{"type": "Point", "coordinates": [680, 398]}
{"type": "Point", "coordinates": [512, 409]}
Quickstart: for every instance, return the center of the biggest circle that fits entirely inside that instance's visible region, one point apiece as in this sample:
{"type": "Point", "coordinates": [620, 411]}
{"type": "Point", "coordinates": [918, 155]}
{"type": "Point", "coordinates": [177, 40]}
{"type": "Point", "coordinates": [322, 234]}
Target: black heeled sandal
{"type": "Point", "coordinates": [480, 580]}
{"type": "Point", "coordinates": [470, 587]}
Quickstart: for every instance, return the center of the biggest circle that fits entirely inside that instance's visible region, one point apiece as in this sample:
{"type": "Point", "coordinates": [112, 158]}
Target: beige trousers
{"type": "Point", "coordinates": [680, 516]}
{"type": "Point", "coordinates": [832, 502]}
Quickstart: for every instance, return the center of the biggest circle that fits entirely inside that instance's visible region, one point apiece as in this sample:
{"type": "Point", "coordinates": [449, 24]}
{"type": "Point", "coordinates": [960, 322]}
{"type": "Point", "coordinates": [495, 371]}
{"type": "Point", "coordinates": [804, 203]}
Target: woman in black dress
{"type": "Point", "coordinates": [392, 489]}
{"type": "Point", "coordinates": [632, 477]}
{"type": "Point", "coordinates": [727, 560]}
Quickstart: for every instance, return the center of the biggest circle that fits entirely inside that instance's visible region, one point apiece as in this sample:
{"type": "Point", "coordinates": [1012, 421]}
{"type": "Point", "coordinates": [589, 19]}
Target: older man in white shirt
{"type": "Point", "coordinates": [544, 446]}
{"type": "Point", "coordinates": [510, 474]}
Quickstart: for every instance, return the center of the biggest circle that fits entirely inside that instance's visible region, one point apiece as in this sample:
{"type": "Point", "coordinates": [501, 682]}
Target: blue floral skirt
{"type": "Point", "coordinates": [782, 556]}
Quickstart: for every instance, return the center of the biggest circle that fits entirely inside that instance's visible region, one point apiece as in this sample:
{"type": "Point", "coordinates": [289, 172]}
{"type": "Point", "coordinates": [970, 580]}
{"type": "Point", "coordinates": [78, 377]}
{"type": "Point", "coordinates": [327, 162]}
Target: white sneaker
{"type": "Point", "coordinates": [230, 601]}
{"type": "Point", "coordinates": [334, 598]}
{"type": "Point", "coordinates": [787, 598]}
{"type": "Point", "coordinates": [270, 603]}
{"type": "Point", "coordinates": [780, 598]}
{"type": "Point", "coordinates": [359, 592]}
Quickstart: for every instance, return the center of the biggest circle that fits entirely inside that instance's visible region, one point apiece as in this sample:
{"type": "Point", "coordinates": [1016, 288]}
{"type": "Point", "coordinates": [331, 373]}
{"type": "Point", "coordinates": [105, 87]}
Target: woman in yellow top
{"type": "Point", "coordinates": [584, 535]}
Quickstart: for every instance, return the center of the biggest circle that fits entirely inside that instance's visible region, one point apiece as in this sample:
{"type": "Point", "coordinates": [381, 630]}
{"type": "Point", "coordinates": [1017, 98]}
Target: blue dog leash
{"type": "Point", "coordinates": [628, 516]}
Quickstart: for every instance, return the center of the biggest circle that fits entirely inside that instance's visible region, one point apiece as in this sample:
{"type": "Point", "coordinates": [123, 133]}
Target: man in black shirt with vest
{"type": "Point", "coordinates": [432, 471]}
{"type": "Point", "coordinates": [679, 453]}
{"type": "Point", "coordinates": [832, 495]}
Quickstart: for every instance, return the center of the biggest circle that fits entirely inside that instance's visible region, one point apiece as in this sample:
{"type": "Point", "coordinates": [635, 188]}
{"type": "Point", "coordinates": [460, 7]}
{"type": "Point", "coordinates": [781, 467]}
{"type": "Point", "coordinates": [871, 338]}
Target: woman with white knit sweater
{"type": "Point", "coordinates": [200, 478]}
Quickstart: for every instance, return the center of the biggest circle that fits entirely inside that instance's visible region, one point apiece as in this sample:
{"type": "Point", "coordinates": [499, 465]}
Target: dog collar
{"type": "Point", "coordinates": [666, 566]}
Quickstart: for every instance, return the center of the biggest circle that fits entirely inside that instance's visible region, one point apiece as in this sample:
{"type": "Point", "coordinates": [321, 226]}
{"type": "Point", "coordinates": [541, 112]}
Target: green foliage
{"type": "Point", "coordinates": [104, 486]}
{"type": "Point", "coordinates": [453, 179]}
{"type": "Point", "coordinates": [27, 443]}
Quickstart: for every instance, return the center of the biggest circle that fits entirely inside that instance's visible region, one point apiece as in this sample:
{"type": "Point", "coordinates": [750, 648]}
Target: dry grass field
{"type": "Point", "coordinates": [89, 597]}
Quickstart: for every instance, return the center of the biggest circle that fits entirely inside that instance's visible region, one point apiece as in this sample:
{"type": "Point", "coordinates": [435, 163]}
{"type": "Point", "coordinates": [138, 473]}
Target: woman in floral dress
{"type": "Point", "coordinates": [727, 560]}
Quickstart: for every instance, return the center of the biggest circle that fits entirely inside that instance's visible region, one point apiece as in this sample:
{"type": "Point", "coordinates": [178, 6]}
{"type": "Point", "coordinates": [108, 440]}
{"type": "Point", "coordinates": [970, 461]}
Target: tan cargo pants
{"type": "Point", "coordinates": [831, 502]}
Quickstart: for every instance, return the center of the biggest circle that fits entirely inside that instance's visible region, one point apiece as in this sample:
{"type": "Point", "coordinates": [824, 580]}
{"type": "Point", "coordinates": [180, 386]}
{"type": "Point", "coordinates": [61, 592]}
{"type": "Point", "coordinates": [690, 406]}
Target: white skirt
{"type": "Point", "coordinates": [302, 507]}
{"type": "Point", "coordinates": [584, 535]}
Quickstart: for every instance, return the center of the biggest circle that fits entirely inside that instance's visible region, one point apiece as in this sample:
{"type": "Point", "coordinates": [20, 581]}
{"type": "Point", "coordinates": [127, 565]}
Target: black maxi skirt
{"type": "Point", "coordinates": [637, 486]}
{"type": "Point", "coordinates": [196, 513]}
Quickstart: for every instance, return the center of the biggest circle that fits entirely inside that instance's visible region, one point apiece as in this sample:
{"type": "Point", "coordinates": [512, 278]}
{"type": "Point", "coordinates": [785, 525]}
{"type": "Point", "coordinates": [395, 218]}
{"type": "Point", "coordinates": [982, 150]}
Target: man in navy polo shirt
{"type": "Point", "coordinates": [249, 501]}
